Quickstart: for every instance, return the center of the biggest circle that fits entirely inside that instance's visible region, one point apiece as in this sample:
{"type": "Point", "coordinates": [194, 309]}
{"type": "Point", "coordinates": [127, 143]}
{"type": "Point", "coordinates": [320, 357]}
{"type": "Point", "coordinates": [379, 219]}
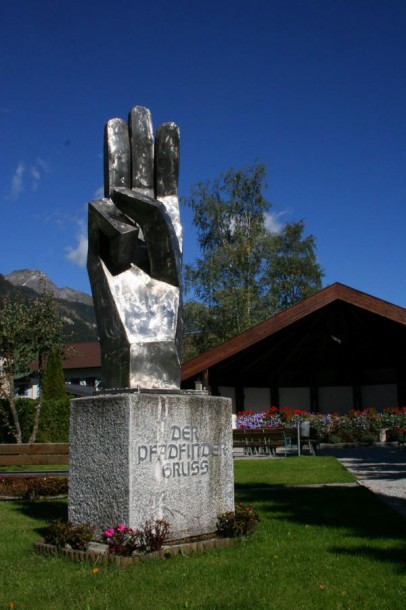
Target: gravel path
{"type": "Point", "coordinates": [381, 468]}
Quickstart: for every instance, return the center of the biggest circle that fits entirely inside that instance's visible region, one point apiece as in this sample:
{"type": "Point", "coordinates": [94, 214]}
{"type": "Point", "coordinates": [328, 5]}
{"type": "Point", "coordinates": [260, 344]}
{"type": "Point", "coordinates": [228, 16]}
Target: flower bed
{"type": "Point", "coordinates": [151, 540]}
{"type": "Point", "coordinates": [33, 487]}
{"type": "Point", "coordinates": [98, 554]}
{"type": "Point", "coordinates": [355, 426]}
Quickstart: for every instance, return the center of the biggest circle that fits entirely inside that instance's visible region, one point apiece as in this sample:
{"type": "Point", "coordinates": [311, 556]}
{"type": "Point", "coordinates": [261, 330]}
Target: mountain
{"type": "Point", "coordinates": [76, 308]}
{"type": "Point", "coordinates": [36, 280]}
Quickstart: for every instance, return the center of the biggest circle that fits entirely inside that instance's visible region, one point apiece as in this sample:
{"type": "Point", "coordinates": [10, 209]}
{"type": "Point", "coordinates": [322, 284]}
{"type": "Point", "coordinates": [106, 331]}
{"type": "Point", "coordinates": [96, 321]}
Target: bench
{"type": "Point", "coordinates": [262, 441]}
{"type": "Point", "coordinates": [265, 441]}
{"type": "Point", "coordinates": [34, 454]}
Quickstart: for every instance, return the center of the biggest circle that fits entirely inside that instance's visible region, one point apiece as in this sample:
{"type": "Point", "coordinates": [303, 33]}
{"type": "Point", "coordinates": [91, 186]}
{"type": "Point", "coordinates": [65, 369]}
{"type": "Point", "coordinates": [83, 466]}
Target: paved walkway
{"type": "Point", "coordinates": [381, 468]}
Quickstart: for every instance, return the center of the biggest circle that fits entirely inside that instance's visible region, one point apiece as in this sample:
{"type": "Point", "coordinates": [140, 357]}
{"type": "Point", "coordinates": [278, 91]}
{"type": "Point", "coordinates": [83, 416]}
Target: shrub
{"type": "Point", "coordinates": [153, 535]}
{"type": "Point", "coordinates": [6, 435]}
{"type": "Point", "coordinates": [396, 434]}
{"type": "Point", "coordinates": [122, 540]}
{"type": "Point", "coordinates": [394, 418]}
{"type": "Point", "coordinates": [356, 425]}
{"type": "Point", "coordinates": [321, 424]}
{"type": "Point", "coordinates": [33, 487]}
{"type": "Point", "coordinates": [63, 533]}
{"type": "Point", "coordinates": [26, 411]}
{"type": "Point", "coordinates": [249, 419]}
{"type": "Point", "coordinates": [334, 439]}
{"type": "Point", "coordinates": [46, 486]}
{"type": "Point", "coordinates": [54, 422]}
{"type": "Point", "coordinates": [53, 381]}
{"type": "Point", "coordinates": [244, 520]}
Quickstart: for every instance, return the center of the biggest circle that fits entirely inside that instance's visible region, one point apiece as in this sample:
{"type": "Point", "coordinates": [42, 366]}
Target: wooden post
{"type": "Point", "coordinates": [205, 378]}
{"type": "Point", "coordinates": [274, 395]}
{"type": "Point", "coordinates": [401, 386]}
{"type": "Point", "coordinates": [357, 397]}
{"type": "Point", "coordinates": [239, 398]}
{"type": "Point", "coordinates": [314, 399]}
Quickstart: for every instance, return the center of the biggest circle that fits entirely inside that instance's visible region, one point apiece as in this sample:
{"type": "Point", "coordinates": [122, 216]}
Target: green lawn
{"type": "Point", "coordinates": [316, 548]}
{"type": "Point", "coordinates": [292, 471]}
{"type": "Point", "coordinates": [37, 468]}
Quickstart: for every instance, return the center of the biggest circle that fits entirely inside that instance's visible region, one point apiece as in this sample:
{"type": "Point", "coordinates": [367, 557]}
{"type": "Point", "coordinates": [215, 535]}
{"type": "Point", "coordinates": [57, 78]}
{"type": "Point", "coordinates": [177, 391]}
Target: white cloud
{"type": "Point", "coordinates": [38, 170]}
{"type": "Point", "coordinates": [35, 176]}
{"type": "Point", "coordinates": [78, 255]}
{"type": "Point", "coordinates": [17, 181]}
{"type": "Point", "coordinates": [23, 173]}
{"type": "Point", "coordinates": [273, 222]}
{"type": "Point", "coordinates": [99, 193]}
{"type": "Point", "coordinates": [43, 166]}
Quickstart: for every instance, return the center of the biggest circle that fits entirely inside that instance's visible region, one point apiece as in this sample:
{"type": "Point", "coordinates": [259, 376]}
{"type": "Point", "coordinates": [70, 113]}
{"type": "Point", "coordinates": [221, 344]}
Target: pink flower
{"type": "Point", "coordinates": [121, 527]}
{"type": "Point", "coordinates": [109, 533]}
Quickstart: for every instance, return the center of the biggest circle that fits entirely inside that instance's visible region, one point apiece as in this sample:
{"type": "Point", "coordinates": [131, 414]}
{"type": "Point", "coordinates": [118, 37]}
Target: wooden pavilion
{"type": "Point", "coordinates": [337, 350]}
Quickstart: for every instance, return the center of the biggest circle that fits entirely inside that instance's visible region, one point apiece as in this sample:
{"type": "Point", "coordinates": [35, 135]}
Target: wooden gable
{"type": "Point", "coordinates": [339, 336]}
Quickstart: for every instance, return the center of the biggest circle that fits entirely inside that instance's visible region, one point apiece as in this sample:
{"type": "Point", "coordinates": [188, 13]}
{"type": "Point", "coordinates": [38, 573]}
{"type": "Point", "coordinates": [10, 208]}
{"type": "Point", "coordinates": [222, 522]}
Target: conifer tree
{"type": "Point", "coordinates": [53, 382]}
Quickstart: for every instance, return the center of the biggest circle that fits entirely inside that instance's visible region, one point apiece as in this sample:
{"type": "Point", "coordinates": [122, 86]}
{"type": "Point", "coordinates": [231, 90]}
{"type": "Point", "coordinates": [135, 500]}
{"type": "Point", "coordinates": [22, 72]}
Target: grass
{"type": "Point", "coordinates": [37, 468]}
{"type": "Point", "coordinates": [316, 548]}
{"type": "Point", "coordinates": [293, 471]}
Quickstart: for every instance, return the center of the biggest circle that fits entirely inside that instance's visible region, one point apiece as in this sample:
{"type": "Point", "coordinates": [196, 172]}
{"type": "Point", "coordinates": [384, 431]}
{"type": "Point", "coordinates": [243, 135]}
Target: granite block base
{"type": "Point", "coordinates": [136, 457]}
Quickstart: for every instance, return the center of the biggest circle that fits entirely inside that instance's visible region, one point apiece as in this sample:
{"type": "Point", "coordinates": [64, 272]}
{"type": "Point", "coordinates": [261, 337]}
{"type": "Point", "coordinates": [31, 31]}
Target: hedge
{"type": "Point", "coordinates": [53, 426]}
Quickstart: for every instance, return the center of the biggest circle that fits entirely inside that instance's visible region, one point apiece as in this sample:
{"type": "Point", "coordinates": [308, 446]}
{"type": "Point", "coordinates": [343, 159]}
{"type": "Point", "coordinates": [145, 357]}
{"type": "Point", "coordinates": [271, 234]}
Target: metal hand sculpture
{"type": "Point", "coordinates": [135, 251]}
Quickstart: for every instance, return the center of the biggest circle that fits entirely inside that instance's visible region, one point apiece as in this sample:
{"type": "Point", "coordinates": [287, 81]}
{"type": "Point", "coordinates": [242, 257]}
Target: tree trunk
{"type": "Point", "coordinates": [12, 404]}
{"type": "Point", "coordinates": [37, 416]}
{"type": "Point", "coordinates": [38, 408]}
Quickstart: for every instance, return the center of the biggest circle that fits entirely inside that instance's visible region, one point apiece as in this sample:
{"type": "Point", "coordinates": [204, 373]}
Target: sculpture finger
{"type": "Point", "coordinates": [167, 148]}
{"type": "Point", "coordinates": [162, 243]}
{"type": "Point", "coordinates": [117, 160]}
{"type": "Point", "coordinates": [113, 239]}
{"type": "Point", "coordinates": [142, 150]}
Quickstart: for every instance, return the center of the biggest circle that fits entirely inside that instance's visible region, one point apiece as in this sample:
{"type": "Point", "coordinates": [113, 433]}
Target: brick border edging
{"type": "Point", "coordinates": [105, 558]}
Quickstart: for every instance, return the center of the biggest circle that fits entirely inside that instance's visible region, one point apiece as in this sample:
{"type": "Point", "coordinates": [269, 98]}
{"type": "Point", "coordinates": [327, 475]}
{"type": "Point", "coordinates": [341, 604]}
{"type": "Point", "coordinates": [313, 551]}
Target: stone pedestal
{"type": "Point", "coordinates": [139, 456]}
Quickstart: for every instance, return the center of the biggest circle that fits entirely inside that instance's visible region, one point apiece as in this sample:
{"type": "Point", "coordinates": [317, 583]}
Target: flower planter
{"type": "Point", "coordinates": [98, 553]}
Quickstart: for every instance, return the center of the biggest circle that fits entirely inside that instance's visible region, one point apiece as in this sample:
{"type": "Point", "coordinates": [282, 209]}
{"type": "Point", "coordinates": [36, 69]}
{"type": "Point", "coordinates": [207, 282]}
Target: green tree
{"type": "Point", "coordinates": [29, 330]}
{"type": "Point", "coordinates": [15, 353]}
{"type": "Point", "coordinates": [197, 335]}
{"type": "Point", "coordinates": [53, 383]}
{"type": "Point", "coordinates": [293, 271]}
{"type": "Point", "coordinates": [246, 273]}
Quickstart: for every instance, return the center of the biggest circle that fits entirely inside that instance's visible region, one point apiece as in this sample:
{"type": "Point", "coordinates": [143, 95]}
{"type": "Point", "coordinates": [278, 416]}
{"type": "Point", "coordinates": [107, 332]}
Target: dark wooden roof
{"type": "Point", "coordinates": [83, 356]}
{"type": "Point", "coordinates": [338, 329]}
{"type": "Point", "coordinates": [328, 330]}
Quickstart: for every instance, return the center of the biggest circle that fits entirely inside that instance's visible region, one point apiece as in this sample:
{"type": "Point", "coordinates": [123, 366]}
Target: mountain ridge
{"type": "Point", "coordinates": [37, 279]}
{"type": "Point", "coordinates": [76, 307]}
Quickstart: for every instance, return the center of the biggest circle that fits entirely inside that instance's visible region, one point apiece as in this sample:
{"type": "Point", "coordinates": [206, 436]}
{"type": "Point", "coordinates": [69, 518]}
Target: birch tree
{"type": "Point", "coordinates": [245, 273]}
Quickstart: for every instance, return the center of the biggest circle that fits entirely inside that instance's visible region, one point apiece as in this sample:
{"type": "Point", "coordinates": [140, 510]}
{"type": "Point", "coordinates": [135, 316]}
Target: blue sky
{"type": "Point", "coordinates": [315, 89]}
